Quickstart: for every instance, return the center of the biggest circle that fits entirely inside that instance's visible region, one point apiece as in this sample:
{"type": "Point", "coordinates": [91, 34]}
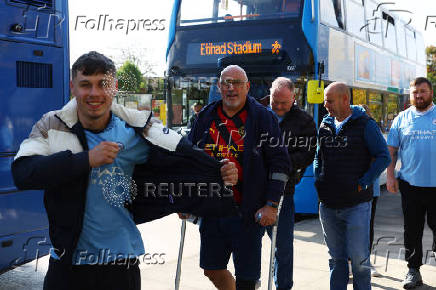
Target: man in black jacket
{"type": "Point", "coordinates": [83, 156]}
{"type": "Point", "coordinates": [299, 131]}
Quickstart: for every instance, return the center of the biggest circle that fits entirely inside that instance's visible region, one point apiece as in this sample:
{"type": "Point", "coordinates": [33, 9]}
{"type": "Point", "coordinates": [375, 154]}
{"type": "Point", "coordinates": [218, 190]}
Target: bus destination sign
{"type": "Point", "coordinates": [210, 52]}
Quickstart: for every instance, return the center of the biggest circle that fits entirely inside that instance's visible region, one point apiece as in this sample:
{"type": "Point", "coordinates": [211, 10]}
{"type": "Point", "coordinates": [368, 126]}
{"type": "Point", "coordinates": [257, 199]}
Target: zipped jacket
{"type": "Point", "coordinates": [299, 135]}
{"type": "Point", "coordinates": [266, 162]}
{"type": "Point", "coordinates": [356, 155]}
{"type": "Point", "coordinates": [55, 159]}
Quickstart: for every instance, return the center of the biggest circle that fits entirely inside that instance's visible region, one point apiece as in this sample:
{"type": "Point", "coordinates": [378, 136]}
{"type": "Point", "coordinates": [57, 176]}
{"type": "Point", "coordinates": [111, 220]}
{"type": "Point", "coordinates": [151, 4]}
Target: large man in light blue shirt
{"type": "Point", "coordinates": [412, 138]}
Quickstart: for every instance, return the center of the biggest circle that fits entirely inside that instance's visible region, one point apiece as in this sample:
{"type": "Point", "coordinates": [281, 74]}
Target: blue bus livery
{"type": "Point", "coordinates": [34, 75]}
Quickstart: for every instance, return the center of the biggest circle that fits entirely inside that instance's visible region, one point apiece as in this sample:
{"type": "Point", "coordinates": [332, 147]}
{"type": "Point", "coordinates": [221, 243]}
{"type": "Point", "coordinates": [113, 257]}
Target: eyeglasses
{"type": "Point", "coordinates": [235, 83]}
{"type": "Point", "coordinates": [422, 92]}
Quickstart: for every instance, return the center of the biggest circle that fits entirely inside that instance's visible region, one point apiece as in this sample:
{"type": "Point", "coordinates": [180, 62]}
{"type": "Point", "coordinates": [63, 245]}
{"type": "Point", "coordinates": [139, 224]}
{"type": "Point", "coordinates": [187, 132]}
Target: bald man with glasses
{"type": "Point", "coordinates": [239, 129]}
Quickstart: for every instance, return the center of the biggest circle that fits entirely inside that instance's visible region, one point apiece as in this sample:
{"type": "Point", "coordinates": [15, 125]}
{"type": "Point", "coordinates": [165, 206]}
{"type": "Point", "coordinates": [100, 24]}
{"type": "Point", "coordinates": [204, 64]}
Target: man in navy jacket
{"type": "Point", "coordinates": [240, 129]}
{"type": "Point", "coordinates": [351, 154]}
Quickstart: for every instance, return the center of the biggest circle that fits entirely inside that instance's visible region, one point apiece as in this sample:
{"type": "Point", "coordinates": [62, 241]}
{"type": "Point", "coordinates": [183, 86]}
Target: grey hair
{"type": "Point", "coordinates": [282, 82]}
{"type": "Point", "coordinates": [234, 67]}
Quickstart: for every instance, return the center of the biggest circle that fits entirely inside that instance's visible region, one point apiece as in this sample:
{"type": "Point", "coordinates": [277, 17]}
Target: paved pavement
{"type": "Point", "coordinates": [310, 262]}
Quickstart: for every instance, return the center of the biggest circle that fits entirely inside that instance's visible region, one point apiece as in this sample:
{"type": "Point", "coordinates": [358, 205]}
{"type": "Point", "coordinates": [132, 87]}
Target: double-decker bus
{"type": "Point", "coordinates": [34, 76]}
{"type": "Point", "coordinates": [359, 42]}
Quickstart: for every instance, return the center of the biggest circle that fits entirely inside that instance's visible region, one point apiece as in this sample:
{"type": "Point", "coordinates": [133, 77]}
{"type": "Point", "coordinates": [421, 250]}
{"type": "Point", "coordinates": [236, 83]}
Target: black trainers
{"type": "Point", "coordinates": [413, 279]}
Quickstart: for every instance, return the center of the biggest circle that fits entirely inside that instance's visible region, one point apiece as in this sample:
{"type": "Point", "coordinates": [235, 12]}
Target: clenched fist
{"type": "Point", "coordinates": [229, 172]}
{"type": "Point", "coordinates": [103, 153]}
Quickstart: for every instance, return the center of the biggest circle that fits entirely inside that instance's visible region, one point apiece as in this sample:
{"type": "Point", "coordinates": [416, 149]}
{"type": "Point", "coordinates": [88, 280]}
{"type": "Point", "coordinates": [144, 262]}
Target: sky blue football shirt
{"type": "Point", "coordinates": [109, 232]}
{"type": "Point", "coordinates": [414, 134]}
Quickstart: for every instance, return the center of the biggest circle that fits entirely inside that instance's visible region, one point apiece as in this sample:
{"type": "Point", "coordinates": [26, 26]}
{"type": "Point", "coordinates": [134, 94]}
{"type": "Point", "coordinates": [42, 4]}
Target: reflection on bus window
{"type": "Point", "coordinates": [258, 89]}
{"type": "Point", "coordinates": [392, 109]}
{"type": "Point", "coordinates": [332, 13]}
{"type": "Point", "coordinates": [376, 108]}
{"type": "Point", "coordinates": [359, 96]}
{"type": "Point", "coordinates": [214, 92]}
{"type": "Point", "coordinates": [194, 12]}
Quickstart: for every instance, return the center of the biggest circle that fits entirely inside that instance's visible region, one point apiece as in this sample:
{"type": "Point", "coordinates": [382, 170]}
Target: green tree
{"type": "Point", "coordinates": [139, 57]}
{"type": "Point", "coordinates": [431, 66]}
{"type": "Point", "coordinates": [129, 77]}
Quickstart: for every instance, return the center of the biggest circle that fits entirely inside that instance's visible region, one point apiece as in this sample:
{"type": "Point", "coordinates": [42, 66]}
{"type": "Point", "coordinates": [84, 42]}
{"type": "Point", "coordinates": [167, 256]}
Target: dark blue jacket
{"type": "Point", "coordinates": [356, 155]}
{"type": "Point", "coordinates": [55, 158]}
{"type": "Point", "coordinates": [264, 156]}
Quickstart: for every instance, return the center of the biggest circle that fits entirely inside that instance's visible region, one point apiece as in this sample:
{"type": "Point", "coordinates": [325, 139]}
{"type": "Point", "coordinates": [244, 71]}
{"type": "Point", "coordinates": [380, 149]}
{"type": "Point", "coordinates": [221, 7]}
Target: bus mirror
{"type": "Point", "coordinates": [315, 92]}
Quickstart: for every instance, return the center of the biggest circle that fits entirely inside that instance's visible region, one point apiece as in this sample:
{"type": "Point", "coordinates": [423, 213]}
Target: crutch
{"type": "Point", "coordinates": [273, 246]}
{"type": "Point", "coordinates": [179, 259]}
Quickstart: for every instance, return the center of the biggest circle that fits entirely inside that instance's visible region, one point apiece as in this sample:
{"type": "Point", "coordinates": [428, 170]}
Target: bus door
{"type": "Point", "coordinates": [34, 74]}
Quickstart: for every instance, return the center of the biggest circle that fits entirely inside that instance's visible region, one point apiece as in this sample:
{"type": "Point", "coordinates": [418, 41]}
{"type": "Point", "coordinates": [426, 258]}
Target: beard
{"type": "Point", "coordinates": [232, 104]}
{"type": "Point", "coordinates": [421, 105]}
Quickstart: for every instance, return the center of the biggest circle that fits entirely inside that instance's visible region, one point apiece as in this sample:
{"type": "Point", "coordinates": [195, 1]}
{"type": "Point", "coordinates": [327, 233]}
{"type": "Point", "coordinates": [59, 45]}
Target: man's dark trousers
{"type": "Point", "coordinates": [124, 275]}
{"type": "Point", "coordinates": [416, 203]}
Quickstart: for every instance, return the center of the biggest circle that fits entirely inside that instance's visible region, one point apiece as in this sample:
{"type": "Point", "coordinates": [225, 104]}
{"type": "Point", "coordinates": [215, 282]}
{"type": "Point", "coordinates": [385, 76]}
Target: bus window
{"type": "Point", "coordinates": [332, 13]}
{"type": "Point", "coordinates": [376, 107]}
{"type": "Point", "coordinates": [299, 96]}
{"type": "Point", "coordinates": [134, 101]}
{"type": "Point", "coordinates": [401, 36]}
{"type": "Point", "coordinates": [259, 88]}
{"type": "Point", "coordinates": [373, 22]}
{"type": "Point", "coordinates": [356, 19]}
{"type": "Point", "coordinates": [194, 12]}
{"type": "Point", "coordinates": [420, 48]}
{"type": "Point", "coordinates": [392, 109]}
{"type": "Point", "coordinates": [359, 97]}
{"type": "Point", "coordinates": [411, 44]}
{"type": "Point", "coordinates": [389, 32]}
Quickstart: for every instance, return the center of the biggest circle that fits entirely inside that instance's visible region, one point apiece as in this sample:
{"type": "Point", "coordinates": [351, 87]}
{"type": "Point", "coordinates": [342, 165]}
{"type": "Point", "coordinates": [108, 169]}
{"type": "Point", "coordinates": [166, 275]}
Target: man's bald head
{"type": "Point", "coordinates": [233, 68]}
{"type": "Point", "coordinates": [234, 87]}
{"type": "Point", "coordinates": [337, 100]}
{"type": "Point", "coordinates": [339, 89]}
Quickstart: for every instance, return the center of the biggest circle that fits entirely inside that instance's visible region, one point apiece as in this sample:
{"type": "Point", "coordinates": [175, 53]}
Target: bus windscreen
{"type": "Point", "coordinates": [196, 12]}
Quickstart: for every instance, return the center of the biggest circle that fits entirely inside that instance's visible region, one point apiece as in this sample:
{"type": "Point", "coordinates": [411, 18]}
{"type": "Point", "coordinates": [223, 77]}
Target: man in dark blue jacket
{"type": "Point", "coordinates": [240, 129]}
{"type": "Point", "coordinates": [83, 156]}
{"type": "Point", "coordinates": [351, 154]}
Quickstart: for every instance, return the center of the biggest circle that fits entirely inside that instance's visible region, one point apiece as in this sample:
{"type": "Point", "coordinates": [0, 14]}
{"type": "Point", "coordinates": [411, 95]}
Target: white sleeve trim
{"type": "Point", "coordinates": [163, 137]}
{"type": "Point", "coordinates": [33, 146]}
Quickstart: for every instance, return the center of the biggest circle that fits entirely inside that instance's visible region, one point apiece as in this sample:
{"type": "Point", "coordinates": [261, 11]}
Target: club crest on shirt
{"type": "Point", "coordinates": [434, 121]}
{"type": "Point", "coordinates": [241, 131]}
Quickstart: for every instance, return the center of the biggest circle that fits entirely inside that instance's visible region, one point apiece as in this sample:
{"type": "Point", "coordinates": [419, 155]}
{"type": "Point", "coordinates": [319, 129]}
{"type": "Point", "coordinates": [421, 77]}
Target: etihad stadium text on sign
{"type": "Point", "coordinates": [210, 52]}
{"type": "Point", "coordinates": [230, 48]}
